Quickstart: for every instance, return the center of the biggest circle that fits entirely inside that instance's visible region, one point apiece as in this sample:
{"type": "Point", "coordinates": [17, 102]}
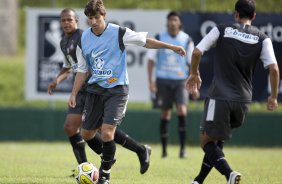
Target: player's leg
{"type": "Point", "coordinates": [215, 155]}
{"type": "Point", "coordinates": [239, 111]}
{"type": "Point", "coordinates": [181, 99]}
{"type": "Point", "coordinates": [96, 144]}
{"type": "Point", "coordinates": [92, 115]}
{"type": "Point", "coordinates": [109, 149]}
{"type": "Point", "coordinates": [143, 151]}
{"type": "Point", "coordinates": [165, 100]}
{"type": "Point", "coordinates": [181, 114]}
{"type": "Point", "coordinates": [216, 126]}
{"type": "Point", "coordinates": [206, 166]}
{"type": "Point", "coordinates": [165, 117]}
{"type": "Point", "coordinates": [71, 127]}
{"type": "Point", "coordinates": [114, 108]}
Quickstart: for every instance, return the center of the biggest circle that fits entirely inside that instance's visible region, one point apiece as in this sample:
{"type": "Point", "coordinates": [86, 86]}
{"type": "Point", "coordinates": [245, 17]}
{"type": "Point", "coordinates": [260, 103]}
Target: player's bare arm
{"type": "Point", "coordinates": [274, 77]}
{"type": "Point", "coordinates": [152, 84]}
{"type": "Point", "coordinates": [79, 81]}
{"type": "Point", "coordinates": [155, 44]}
{"type": "Point", "coordinates": [194, 81]}
{"type": "Point", "coordinates": [64, 73]}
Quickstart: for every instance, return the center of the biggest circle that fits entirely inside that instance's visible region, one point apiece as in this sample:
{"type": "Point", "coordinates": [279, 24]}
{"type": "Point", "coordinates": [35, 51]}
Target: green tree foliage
{"type": "Point", "coordinates": [183, 5]}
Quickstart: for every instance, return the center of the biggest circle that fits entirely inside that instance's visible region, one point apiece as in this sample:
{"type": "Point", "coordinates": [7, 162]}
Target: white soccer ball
{"type": "Point", "coordinates": [86, 173]}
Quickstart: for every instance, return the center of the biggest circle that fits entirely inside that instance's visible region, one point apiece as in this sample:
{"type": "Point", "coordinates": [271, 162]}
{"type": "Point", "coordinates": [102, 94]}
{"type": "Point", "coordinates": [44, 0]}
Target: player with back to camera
{"type": "Point", "coordinates": [102, 52]}
{"type": "Point", "coordinates": [171, 72]}
{"type": "Point", "coordinates": [238, 48]}
{"type": "Point", "coordinates": [72, 35]}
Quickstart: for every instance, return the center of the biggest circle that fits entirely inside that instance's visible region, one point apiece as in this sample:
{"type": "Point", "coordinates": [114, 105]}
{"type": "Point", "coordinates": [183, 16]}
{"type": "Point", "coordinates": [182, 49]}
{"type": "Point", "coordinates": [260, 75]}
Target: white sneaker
{"type": "Point", "coordinates": [195, 182]}
{"type": "Point", "coordinates": [234, 178]}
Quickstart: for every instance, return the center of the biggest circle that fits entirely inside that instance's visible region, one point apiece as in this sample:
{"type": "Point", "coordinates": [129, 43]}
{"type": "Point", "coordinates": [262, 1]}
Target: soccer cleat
{"type": "Point", "coordinates": [144, 159]}
{"type": "Point", "coordinates": [182, 153]}
{"type": "Point", "coordinates": [195, 182]}
{"type": "Point", "coordinates": [103, 180]}
{"type": "Point", "coordinates": [164, 154]}
{"type": "Point", "coordinates": [234, 178]}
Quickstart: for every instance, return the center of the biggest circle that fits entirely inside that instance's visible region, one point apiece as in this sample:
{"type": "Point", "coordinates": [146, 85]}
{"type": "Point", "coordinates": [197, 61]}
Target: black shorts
{"type": "Point", "coordinates": [221, 116]}
{"type": "Point", "coordinates": [108, 107]}
{"type": "Point", "coordinates": [169, 92]}
{"type": "Point", "coordinates": [80, 101]}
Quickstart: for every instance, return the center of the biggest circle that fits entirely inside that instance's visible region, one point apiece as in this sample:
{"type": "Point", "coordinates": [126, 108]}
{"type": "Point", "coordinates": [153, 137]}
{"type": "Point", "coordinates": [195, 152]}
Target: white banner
{"type": "Point", "coordinates": [44, 58]}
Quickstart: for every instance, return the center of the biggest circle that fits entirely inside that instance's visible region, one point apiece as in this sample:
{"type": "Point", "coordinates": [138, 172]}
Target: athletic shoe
{"type": "Point", "coordinates": [182, 153]}
{"type": "Point", "coordinates": [144, 159]}
{"type": "Point", "coordinates": [234, 178]}
{"type": "Point", "coordinates": [195, 182]}
{"type": "Point", "coordinates": [164, 155]}
{"type": "Point", "coordinates": [103, 180]}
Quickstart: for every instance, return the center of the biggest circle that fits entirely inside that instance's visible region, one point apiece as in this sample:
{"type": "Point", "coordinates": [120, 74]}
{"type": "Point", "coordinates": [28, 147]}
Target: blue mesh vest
{"type": "Point", "coordinates": [105, 56]}
{"type": "Point", "coordinates": [169, 64]}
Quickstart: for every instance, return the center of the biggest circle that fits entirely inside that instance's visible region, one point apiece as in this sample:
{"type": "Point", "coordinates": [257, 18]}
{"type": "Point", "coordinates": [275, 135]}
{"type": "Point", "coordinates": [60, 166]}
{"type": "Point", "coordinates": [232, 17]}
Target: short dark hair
{"type": "Point", "coordinates": [246, 8]}
{"type": "Point", "coordinates": [69, 10]}
{"type": "Point", "coordinates": [93, 7]}
{"type": "Point", "coordinates": [172, 14]}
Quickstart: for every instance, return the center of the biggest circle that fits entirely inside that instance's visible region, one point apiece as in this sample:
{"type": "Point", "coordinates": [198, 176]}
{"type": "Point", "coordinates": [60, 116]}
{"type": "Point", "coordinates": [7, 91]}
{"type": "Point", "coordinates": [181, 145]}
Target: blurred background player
{"type": "Point", "coordinates": [72, 35]}
{"type": "Point", "coordinates": [102, 52]}
{"type": "Point", "coordinates": [239, 47]}
{"type": "Point", "coordinates": [171, 71]}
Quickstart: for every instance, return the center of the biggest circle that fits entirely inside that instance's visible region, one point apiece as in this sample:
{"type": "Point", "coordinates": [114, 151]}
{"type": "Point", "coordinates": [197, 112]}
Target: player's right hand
{"type": "Point", "coordinates": [272, 104]}
{"type": "Point", "coordinates": [51, 87]}
{"type": "Point", "coordinates": [179, 50]}
{"type": "Point", "coordinates": [193, 83]}
{"type": "Point", "coordinates": [153, 87]}
{"type": "Point", "coordinates": [195, 95]}
{"type": "Point", "coordinates": [72, 101]}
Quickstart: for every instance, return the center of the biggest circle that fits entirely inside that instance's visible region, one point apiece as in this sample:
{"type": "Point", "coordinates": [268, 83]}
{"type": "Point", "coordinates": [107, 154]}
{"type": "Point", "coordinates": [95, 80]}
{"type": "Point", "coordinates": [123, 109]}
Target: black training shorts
{"type": "Point", "coordinates": [107, 107]}
{"type": "Point", "coordinates": [170, 92]}
{"type": "Point", "coordinates": [221, 116]}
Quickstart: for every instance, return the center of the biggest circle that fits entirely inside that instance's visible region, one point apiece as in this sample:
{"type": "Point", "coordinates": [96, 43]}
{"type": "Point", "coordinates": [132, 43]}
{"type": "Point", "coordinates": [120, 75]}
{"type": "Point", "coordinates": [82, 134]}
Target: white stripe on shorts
{"type": "Point", "coordinates": [211, 107]}
{"type": "Point", "coordinates": [125, 106]}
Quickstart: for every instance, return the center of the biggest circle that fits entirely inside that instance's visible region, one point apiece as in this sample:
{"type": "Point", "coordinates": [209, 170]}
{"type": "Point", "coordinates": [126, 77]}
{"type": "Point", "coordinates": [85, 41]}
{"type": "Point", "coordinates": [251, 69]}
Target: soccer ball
{"type": "Point", "coordinates": [86, 173]}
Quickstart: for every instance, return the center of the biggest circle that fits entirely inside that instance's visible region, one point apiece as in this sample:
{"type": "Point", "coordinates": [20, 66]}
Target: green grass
{"type": "Point", "coordinates": [52, 162]}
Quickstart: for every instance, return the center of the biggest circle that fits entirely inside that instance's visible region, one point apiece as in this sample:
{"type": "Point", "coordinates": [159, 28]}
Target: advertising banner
{"type": "Point", "coordinates": [44, 58]}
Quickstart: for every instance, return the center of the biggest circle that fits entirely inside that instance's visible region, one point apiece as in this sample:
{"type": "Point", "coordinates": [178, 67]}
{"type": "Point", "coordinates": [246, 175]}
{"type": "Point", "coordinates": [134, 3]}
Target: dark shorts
{"type": "Point", "coordinates": [169, 92]}
{"type": "Point", "coordinates": [221, 116]}
{"type": "Point", "coordinates": [80, 101]}
{"type": "Point", "coordinates": [107, 107]}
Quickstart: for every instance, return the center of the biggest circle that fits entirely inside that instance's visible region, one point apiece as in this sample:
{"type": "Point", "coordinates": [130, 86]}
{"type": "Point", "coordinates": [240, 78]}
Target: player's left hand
{"type": "Point", "coordinates": [272, 103]}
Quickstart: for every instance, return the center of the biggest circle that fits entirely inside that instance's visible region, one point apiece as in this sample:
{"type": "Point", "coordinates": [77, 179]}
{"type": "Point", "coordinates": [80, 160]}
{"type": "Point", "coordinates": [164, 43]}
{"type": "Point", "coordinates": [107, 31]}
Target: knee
{"type": "Point", "coordinates": [181, 110]}
{"type": "Point", "coordinates": [107, 134]}
{"type": "Point", "coordinates": [70, 129]}
{"type": "Point", "coordinates": [204, 139]}
{"type": "Point", "coordinates": [202, 144]}
{"type": "Point", "coordinates": [166, 114]}
{"type": "Point", "coordinates": [86, 135]}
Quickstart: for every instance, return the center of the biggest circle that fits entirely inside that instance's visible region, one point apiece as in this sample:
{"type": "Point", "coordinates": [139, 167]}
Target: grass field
{"type": "Point", "coordinates": [45, 162]}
